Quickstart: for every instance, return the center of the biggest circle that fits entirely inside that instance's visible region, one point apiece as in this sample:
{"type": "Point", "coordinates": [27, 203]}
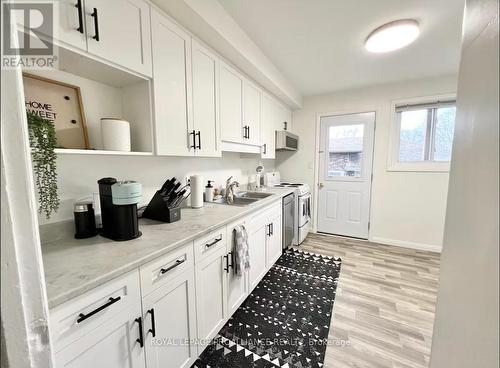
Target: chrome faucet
{"type": "Point", "coordinates": [229, 194]}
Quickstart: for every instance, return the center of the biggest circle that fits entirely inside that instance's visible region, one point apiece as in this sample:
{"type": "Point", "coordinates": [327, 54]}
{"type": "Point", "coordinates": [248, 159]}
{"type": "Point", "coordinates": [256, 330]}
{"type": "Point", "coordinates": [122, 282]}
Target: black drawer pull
{"type": "Point", "coordinates": [82, 317]}
{"type": "Point", "coordinates": [177, 263]}
{"type": "Point", "coordinates": [78, 5]}
{"type": "Point", "coordinates": [265, 148]}
{"type": "Point", "coordinates": [208, 245]}
{"type": "Point", "coordinates": [96, 24]}
{"type": "Point", "coordinates": [140, 339]}
{"type": "Point", "coordinates": [153, 325]}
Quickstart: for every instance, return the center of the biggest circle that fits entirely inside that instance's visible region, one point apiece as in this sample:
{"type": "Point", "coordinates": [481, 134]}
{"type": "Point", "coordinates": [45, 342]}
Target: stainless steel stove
{"type": "Point", "coordinates": [302, 204]}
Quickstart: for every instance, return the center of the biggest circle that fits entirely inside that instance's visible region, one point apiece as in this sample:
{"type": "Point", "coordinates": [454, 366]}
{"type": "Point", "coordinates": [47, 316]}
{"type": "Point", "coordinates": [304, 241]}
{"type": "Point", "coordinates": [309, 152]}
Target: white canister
{"type": "Point", "coordinates": [196, 184]}
{"type": "Point", "coordinates": [115, 134]}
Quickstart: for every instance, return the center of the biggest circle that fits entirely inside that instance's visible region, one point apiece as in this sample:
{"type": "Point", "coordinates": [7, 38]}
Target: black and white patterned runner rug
{"type": "Point", "coordinates": [285, 321]}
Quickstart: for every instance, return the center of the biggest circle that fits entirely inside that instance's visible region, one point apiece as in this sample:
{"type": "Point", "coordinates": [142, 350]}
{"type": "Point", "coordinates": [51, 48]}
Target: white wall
{"type": "Point", "coordinates": [78, 174]}
{"type": "Point", "coordinates": [466, 324]}
{"type": "Point", "coordinates": [407, 208]}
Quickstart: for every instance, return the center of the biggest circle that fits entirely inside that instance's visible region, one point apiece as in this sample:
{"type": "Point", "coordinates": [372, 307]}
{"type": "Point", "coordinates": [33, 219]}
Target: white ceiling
{"type": "Point", "coordinates": [319, 44]}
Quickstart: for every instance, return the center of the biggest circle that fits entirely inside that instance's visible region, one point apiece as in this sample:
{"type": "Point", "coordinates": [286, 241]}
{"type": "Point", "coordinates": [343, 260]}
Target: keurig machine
{"type": "Point", "coordinates": [119, 208]}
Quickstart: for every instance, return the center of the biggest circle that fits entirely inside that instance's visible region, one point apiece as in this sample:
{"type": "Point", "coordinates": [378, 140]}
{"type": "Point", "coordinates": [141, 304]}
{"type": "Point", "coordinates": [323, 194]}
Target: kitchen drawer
{"type": "Point", "coordinates": [76, 318]}
{"type": "Point", "coordinates": [160, 271]}
{"type": "Point", "coordinates": [209, 244]}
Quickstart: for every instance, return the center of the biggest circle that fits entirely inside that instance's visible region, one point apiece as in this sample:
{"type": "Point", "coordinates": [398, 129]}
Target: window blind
{"type": "Point", "coordinates": [426, 105]}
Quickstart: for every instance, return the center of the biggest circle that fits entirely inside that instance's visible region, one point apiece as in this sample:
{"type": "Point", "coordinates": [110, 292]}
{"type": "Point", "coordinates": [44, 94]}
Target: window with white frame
{"type": "Point", "coordinates": [425, 132]}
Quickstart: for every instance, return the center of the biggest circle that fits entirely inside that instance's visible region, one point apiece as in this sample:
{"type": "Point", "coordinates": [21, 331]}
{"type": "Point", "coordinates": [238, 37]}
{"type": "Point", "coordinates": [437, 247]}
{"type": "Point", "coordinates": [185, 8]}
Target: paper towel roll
{"type": "Point", "coordinates": [115, 134]}
{"type": "Point", "coordinates": [196, 190]}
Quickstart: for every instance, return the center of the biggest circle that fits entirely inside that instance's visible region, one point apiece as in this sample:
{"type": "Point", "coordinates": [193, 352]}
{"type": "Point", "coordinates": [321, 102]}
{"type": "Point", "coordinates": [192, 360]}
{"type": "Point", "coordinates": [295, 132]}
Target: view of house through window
{"type": "Point", "coordinates": [345, 151]}
{"type": "Point", "coordinates": [426, 132]}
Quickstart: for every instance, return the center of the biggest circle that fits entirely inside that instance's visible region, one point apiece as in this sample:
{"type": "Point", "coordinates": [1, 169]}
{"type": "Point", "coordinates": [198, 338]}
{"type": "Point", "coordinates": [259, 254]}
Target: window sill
{"type": "Point", "coordinates": [443, 167]}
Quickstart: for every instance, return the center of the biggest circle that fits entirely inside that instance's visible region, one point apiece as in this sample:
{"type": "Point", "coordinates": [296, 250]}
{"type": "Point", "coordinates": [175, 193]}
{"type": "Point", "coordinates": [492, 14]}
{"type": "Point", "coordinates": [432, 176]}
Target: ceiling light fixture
{"type": "Point", "coordinates": [392, 36]}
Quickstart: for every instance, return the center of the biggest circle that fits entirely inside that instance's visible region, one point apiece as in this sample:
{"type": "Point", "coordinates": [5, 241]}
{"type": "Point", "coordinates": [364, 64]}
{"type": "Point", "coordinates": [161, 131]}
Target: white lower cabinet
{"type": "Point", "coordinates": [257, 249]}
{"type": "Point", "coordinates": [187, 296]}
{"type": "Point", "coordinates": [274, 246]}
{"type": "Point", "coordinates": [211, 295]}
{"type": "Point", "coordinates": [237, 289]}
{"type": "Point", "coordinates": [264, 242]}
{"type": "Point", "coordinates": [169, 323]}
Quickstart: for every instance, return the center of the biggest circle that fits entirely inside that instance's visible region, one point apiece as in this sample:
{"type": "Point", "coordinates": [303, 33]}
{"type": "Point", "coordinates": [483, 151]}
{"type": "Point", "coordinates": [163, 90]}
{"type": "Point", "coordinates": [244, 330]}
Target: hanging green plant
{"type": "Point", "coordinates": [42, 135]}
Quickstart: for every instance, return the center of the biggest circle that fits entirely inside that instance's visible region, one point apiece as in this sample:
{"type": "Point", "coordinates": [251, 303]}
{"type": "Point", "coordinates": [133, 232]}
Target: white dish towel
{"type": "Point", "coordinates": [241, 255]}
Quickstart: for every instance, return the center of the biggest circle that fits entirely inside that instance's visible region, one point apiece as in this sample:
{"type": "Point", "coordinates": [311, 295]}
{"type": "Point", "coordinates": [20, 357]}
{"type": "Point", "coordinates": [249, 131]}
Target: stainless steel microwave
{"type": "Point", "coordinates": [286, 141]}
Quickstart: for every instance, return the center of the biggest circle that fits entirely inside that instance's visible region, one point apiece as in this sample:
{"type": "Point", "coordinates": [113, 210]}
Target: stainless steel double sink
{"type": "Point", "coordinates": [244, 198]}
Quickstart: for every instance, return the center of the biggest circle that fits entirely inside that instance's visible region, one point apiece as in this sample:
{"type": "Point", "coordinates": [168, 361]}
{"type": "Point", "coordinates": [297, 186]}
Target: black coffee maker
{"type": "Point", "coordinates": [119, 208]}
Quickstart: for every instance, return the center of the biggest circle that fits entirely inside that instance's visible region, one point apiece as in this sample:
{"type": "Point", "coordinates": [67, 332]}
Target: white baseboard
{"type": "Point", "coordinates": [406, 244]}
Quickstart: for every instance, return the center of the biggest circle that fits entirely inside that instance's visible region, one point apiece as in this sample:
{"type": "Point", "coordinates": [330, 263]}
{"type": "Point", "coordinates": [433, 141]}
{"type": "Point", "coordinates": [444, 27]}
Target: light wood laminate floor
{"type": "Point", "coordinates": [385, 303]}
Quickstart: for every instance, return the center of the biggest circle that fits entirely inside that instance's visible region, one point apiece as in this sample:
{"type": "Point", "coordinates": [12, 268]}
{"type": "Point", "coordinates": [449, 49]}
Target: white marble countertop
{"type": "Point", "coordinates": [74, 266]}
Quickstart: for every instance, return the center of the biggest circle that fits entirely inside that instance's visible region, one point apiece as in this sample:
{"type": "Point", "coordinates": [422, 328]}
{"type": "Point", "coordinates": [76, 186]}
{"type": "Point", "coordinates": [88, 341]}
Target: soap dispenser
{"type": "Point", "coordinates": [209, 192]}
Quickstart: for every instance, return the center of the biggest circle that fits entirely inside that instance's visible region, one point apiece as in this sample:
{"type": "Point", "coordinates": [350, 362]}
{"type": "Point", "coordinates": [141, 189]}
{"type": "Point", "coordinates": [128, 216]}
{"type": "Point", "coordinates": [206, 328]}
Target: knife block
{"type": "Point", "coordinates": [158, 210]}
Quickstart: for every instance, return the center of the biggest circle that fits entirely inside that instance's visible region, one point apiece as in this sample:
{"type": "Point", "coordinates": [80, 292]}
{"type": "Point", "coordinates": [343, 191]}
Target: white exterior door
{"type": "Point", "coordinates": [345, 172]}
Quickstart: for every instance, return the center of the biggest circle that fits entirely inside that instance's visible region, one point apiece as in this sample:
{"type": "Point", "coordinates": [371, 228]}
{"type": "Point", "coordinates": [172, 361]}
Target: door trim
{"type": "Point", "coordinates": [315, 193]}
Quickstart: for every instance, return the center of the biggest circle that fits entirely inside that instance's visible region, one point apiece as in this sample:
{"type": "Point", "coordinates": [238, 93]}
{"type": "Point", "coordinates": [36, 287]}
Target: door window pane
{"type": "Point", "coordinates": [443, 138]}
{"type": "Point", "coordinates": [412, 135]}
{"type": "Point", "coordinates": [345, 150]}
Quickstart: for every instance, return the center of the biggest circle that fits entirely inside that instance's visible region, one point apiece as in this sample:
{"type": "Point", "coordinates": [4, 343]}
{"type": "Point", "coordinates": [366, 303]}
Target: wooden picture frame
{"type": "Point", "coordinates": [60, 103]}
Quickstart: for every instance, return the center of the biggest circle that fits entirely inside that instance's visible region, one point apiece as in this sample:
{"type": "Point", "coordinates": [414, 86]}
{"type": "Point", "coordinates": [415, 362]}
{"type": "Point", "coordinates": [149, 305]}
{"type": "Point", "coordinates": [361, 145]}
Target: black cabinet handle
{"type": "Point", "coordinates": [153, 325]}
{"type": "Point", "coordinates": [177, 263]}
{"type": "Point", "coordinates": [140, 339]}
{"type": "Point", "coordinates": [193, 133]}
{"type": "Point", "coordinates": [82, 317]}
{"type": "Point", "coordinates": [208, 245]}
{"type": "Point", "coordinates": [227, 263]}
{"type": "Point", "coordinates": [230, 254]}
{"type": "Point", "coordinates": [96, 24]}
{"type": "Point", "coordinates": [265, 148]}
{"type": "Point", "coordinates": [78, 5]}
{"type": "Point", "coordinates": [199, 139]}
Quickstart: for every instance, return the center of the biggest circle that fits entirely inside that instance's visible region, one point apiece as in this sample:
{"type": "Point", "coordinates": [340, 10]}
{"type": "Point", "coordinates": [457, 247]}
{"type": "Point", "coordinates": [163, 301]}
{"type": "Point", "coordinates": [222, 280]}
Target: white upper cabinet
{"type": "Point", "coordinates": [251, 113]}
{"type": "Point", "coordinates": [171, 83]}
{"type": "Point", "coordinates": [205, 79]}
{"type": "Point", "coordinates": [119, 31]}
{"type": "Point", "coordinates": [268, 127]}
{"type": "Point", "coordinates": [231, 104]}
{"type": "Point", "coordinates": [71, 25]}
